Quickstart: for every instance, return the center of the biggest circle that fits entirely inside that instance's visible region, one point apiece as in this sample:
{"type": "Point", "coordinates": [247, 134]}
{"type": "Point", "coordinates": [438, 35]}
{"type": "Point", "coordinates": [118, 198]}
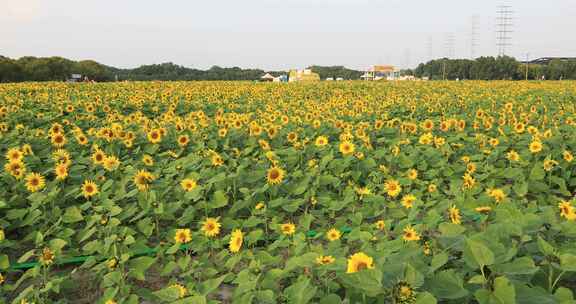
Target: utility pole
{"type": "Point", "coordinates": [527, 55]}
{"type": "Point", "coordinates": [503, 28]}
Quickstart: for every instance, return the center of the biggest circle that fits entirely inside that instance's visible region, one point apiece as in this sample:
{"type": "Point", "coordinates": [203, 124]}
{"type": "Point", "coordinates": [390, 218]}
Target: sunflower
{"type": "Point", "coordinates": [468, 181]}
{"type": "Point", "coordinates": [325, 260]}
{"type": "Point", "coordinates": [275, 175]}
{"type": "Point", "coordinates": [188, 184]}
{"type": "Point", "coordinates": [183, 236]}
{"type": "Point", "coordinates": [222, 132]}
{"type": "Point", "coordinates": [35, 182]}
{"type": "Point", "coordinates": [148, 160]}
{"type": "Point", "coordinates": [182, 291]}
{"type": "Point", "coordinates": [392, 187]}
{"type": "Point", "coordinates": [333, 234]}
{"type": "Point", "coordinates": [380, 225]}
{"type": "Point", "coordinates": [359, 261]}
{"type": "Point", "coordinates": [403, 293]}
{"type": "Point", "coordinates": [2, 235]}
{"type": "Point", "coordinates": [183, 140]}
{"type": "Point", "coordinates": [260, 206]}
{"type": "Point", "coordinates": [236, 241]}
{"type": "Point", "coordinates": [513, 156]}
{"type": "Point", "coordinates": [16, 168]}
{"type": "Point", "coordinates": [89, 189]}
{"type": "Point", "coordinates": [565, 209]}
{"type": "Point", "coordinates": [111, 163]}
{"type": "Point", "coordinates": [46, 257]}
{"type": "Point", "coordinates": [58, 140]}
{"type": "Point", "coordinates": [346, 147]}
{"type": "Point", "coordinates": [61, 171]}
{"type": "Point", "coordinates": [142, 179]}
{"type": "Point", "coordinates": [483, 209]}
{"type": "Point", "coordinates": [497, 194]}
{"type": "Point", "coordinates": [292, 137]}
{"type": "Point", "coordinates": [98, 157]}
{"type": "Point", "coordinates": [432, 188]}
{"type": "Point", "coordinates": [216, 160]}
{"type": "Point", "coordinates": [14, 155]}
{"type": "Point", "coordinates": [408, 201]}
{"type": "Point", "coordinates": [154, 136]}
{"type": "Point", "coordinates": [535, 146]}
{"type": "Point", "coordinates": [454, 215]}
{"type": "Point", "coordinates": [321, 141]}
{"type": "Point", "coordinates": [567, 155]}
{"type": "Point", "coordinates": [211, 227]}
{"type": "Point", "coordinates": [549, 164]}
{"type": "Point", "coordinates": [27, 149]}
{"type": "Point", "coordinates": [410, 234]}
{"type": "Point", "coordinates": [288, 228]}
{"type": "Point", "coordinates": [1, 279]}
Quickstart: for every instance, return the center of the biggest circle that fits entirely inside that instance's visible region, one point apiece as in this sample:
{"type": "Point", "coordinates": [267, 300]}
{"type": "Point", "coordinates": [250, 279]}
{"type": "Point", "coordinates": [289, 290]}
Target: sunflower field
{"type": "Point", "coordinates": [238, 192]}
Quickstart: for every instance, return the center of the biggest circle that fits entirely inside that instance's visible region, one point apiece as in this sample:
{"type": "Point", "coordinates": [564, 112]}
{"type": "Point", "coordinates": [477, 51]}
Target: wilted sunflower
{"type": "Point", "coordinates": [236, 241]}
{"type": "Point", "coordinates": [333, 234]}
{"type": "Point", "coordinates": [35, 182]}
{"type": "Point", "coordinates": [211, 227]}
{"type": "Point", "coordinates": [183, 236]}
{"type": "Point", "coordinates": [89, 189]}
{"type": "Point", "coordinates": [188, 184]}
{"type": "Point", "coordinates": [275, 175]}
{"type": "Point", "coordinates": [359, 261]}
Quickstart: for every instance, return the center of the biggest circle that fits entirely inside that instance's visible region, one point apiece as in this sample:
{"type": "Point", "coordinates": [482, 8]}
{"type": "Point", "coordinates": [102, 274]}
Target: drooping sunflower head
{"type": "Point", "coordinates": [358, 262]}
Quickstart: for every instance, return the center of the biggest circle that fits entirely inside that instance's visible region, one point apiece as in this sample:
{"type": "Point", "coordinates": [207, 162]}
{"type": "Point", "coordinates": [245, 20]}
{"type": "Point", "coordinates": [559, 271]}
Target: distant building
{"type": "Point", "coordinates": [379, 72]}
{"type": "Point", "coordinates": [75, 78]}
{"type": "Point", "coordinates": [303, 75]}
{"type": "Point", "coordinates": [267, 78]}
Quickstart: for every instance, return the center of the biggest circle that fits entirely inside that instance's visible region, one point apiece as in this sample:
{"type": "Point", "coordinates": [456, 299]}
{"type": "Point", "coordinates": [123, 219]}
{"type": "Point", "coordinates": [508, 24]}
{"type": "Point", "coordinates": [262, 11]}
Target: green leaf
{"type": "Point", "coordinates": [209, 286]}
{"type": "Point", "coordinates": [537, 173]}
{"type": "Point", "coordinates": [219, 199]}
{"type": "Point", "coordinates": [447, 284]}
{"type": "Point", "coordinates": [438, 261]}
{"type": "Point", "coordinates": [168, 294]}
{"type": "Point", "coordinates": [545, 247]}
{"type": "Point", "coordinates": [368, 281]}
{"type": "Point", "coordinates": [331, 299]}
{"type": "Point", "coordinates": [72, 215]}
{"type": "Point", "coordinates": [523, 265]}
{"type": "Point", "coordinates": [503, 293]}
{"type": "Point", "coordinates": [4, 262]}
{"type": "Point", "coordinates": [138, 267]}
{"type": "Point", "coordinates": [425, 298]}
{"type": "Point", "coordinates": [477, 255]}
{"type": "Point", "coordinates": [300, 292]}
{"type": "Point", "coordinates": [568, 262]}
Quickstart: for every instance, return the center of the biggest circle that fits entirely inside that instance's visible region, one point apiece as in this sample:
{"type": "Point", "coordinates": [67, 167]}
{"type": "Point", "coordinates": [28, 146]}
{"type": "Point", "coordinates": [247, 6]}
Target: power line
{"type": "Point", "coordinates": [504, 26]}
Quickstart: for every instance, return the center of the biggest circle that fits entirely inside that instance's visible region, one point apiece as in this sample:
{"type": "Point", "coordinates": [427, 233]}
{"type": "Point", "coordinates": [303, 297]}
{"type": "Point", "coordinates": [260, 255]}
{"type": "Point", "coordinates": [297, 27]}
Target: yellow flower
{"type": "Point", "coordinates": [188, 184]}
{"type": "Point", "coordinates": [468, 181]}
{"type": "Point", "coordinates": [567, 155]}
{"type": "Point", "coordinates": [321, 141]}
{"type": "Point", "coordinates": [483, 209]}
{"type": "Point", "coordinates": [359, 261]}
{"type": "Point", "coordinates": [183, 140]}
{"type": "Point", "coordinates": [392, 187]}
{"type": "Point", "coordinates": [183, 236]}
{"type": "Point", "coordinates": [432, 188]}
{"type": "Point", "coordinates": [61, 171]}
{"type": "Point", "coordinates": [566, 209]}
{"type": "Point", "coordinates": [154, 136]}
{"type": "Point", "coordinates": [211, 227]}
{"type": "Point", "coordinates": [288, 228]}
{"type": "Point", "coordinates": [325, 260]}
{"type": "Point", "coordinates": [2, 235]}
{"type": "Point", "coordinates": [181, 290]}
{"type": "Point", "coordinates": [380, 225]}
{"type": "Point", "coordinates": [275, 175]}
{"type": "Point", "coordinates": [148, 160]}
{"type": "Point", "coordinates": [513, 156]}
{"type": "Point", "coordinates": [454, 215]}
{"type": "Point", "coordinates": [46, 257]}
{"type": "Point", "coordinates": [408, 201]}
{"type": "Point", "coordinates": [535, 146]}
{"type": "Point", "coordinates": [111, 163]}
{"type": "Point", "coordinates": [549, 164]}
{"type": "Point", "coordinates": [236, 241]}
{"type": "Point", "coordinates": [142, 179]}
{"type": "Point", "coordinates": [1, 279]}
{"type": "Point", "coordinates": [89, 188]}
{"type": "Point", "coordinates": [216, 160]}
{"type": "Point", "coordinates": [333, 234]}
{"type": "Point", "coordinates": [98, 157]}
{"type": "Point", "coordinates": [497, 194]}
{"type": "Point", "coordinates": [346, 147]}
{"type": "Point", "coordinates": [410, 234]}
{"type": "Point", "coordinates": [35, 182]}
{"type": "Point", "coordinates": [14, 155]}
{"type": "Point", "coordinates": [111, 301]}
{"type": "Point", "coordinates": [260, 206]}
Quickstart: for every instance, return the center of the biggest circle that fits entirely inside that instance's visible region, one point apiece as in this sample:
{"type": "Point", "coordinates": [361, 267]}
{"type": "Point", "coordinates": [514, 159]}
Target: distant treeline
{"type": "Point", "coordinates": [495, 68]}
{"type": "Point", "coordinates": [487, 68]}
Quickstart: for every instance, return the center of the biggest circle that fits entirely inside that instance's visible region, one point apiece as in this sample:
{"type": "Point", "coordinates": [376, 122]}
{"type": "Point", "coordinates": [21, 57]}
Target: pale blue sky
{"type": "Point", "coordinates": [276, 34]}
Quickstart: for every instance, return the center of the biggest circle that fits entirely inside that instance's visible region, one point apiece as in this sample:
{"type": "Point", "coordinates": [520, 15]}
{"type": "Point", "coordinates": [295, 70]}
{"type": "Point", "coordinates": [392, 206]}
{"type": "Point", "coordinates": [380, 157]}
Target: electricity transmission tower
{"type": "Point", "coordinates": [474, 27]}
{"type": "Point", "coordinates": [503, 28]}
